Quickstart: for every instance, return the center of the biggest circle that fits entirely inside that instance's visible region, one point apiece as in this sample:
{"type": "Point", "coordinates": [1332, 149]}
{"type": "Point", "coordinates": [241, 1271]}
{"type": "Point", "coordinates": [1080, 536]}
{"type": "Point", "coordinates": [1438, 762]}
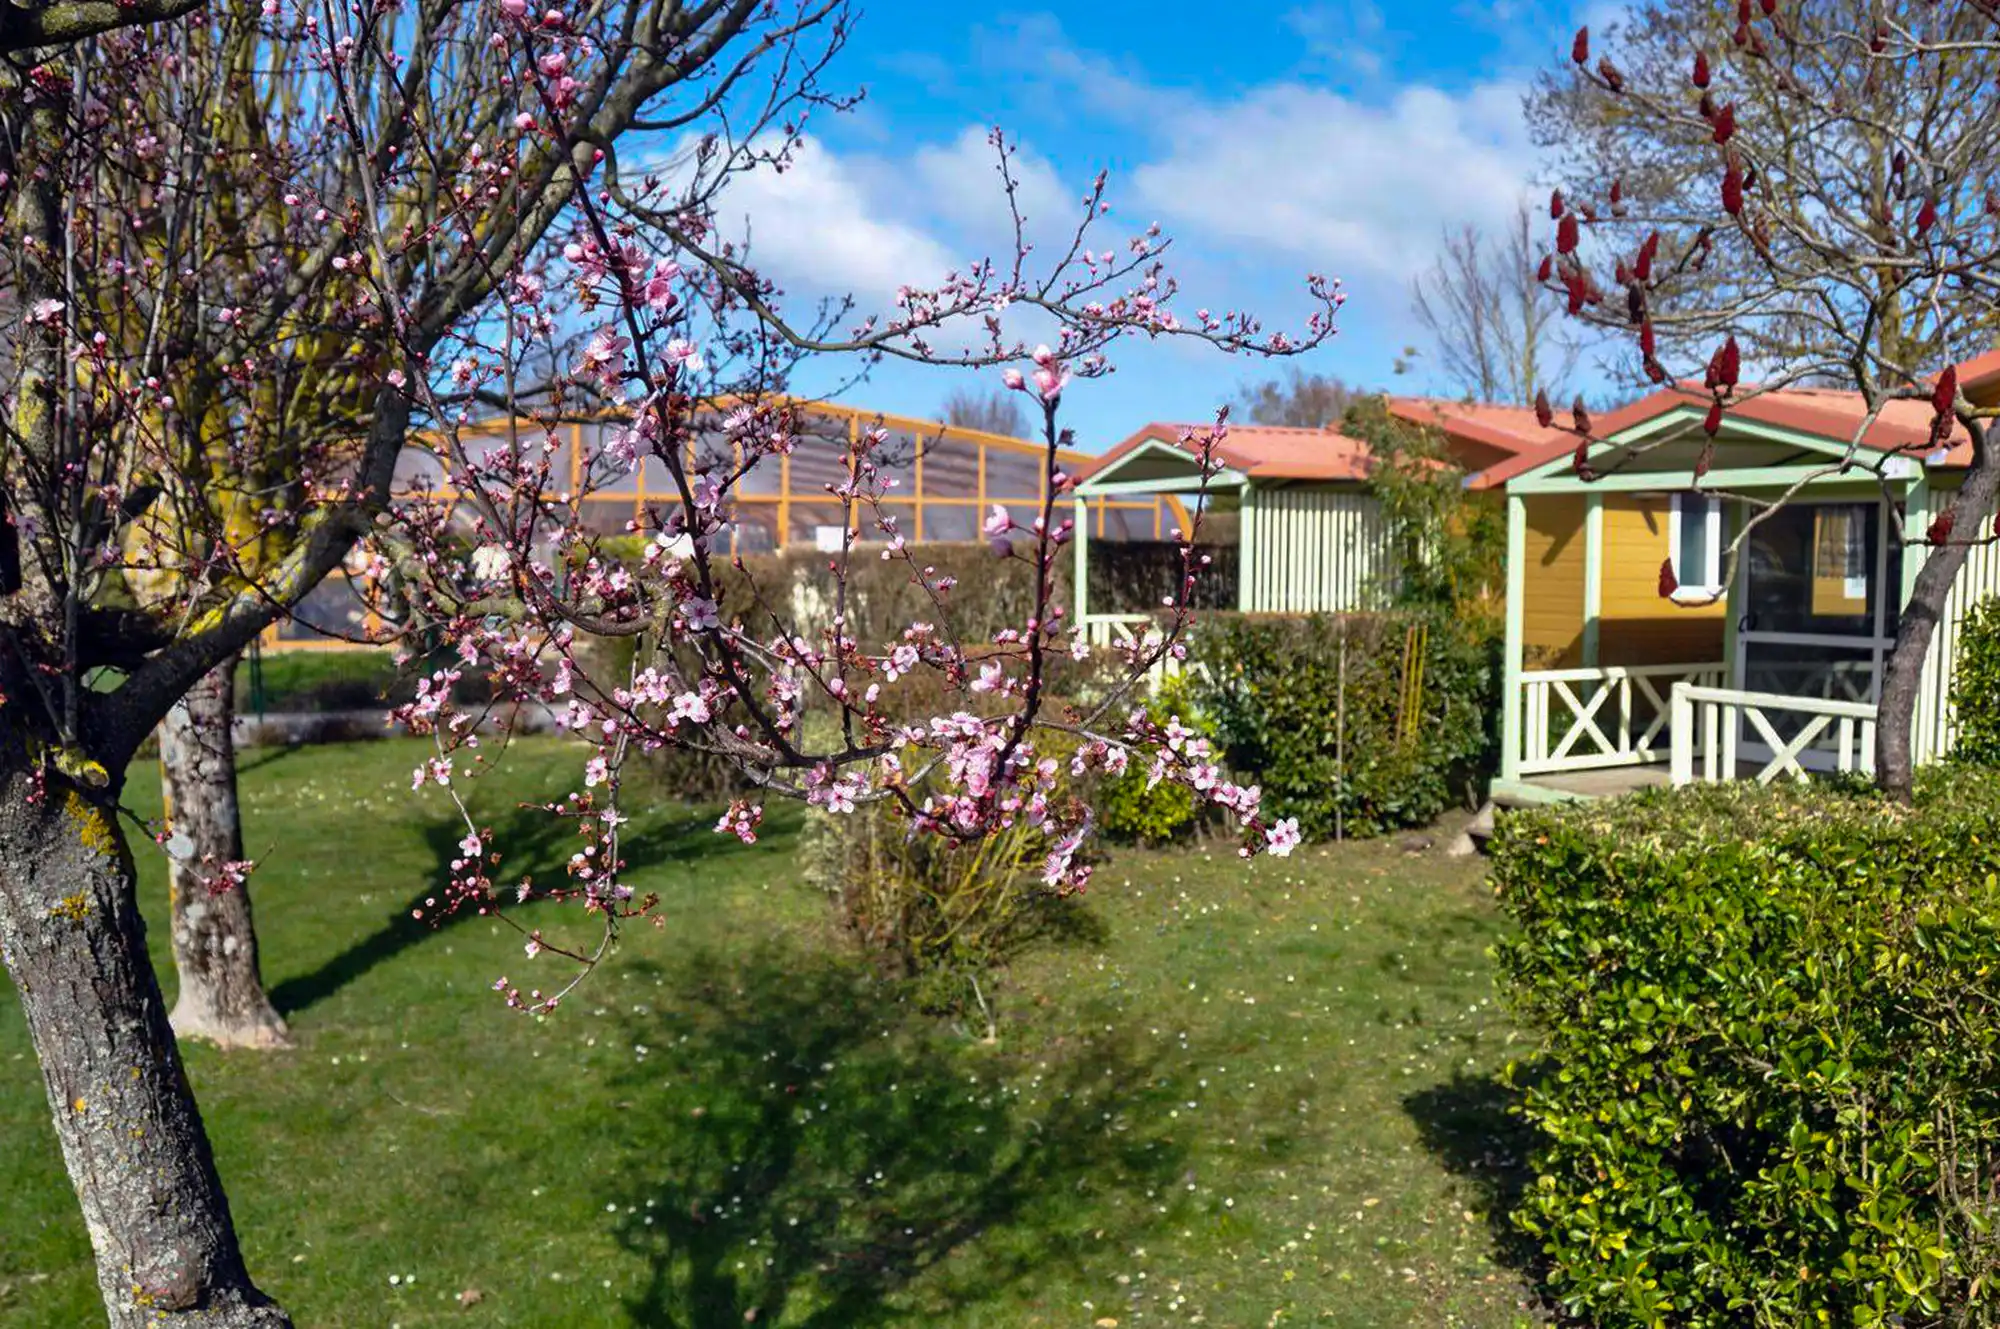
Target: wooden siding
{"type": "Point", "coordinates": [1314, 549]}
{"type": "Point", "coordinates": [1636, 626]}
{"type": "Point", "coordinates": [1936, 726]}
{"type": "Point", "coordinates": [1552, 594]}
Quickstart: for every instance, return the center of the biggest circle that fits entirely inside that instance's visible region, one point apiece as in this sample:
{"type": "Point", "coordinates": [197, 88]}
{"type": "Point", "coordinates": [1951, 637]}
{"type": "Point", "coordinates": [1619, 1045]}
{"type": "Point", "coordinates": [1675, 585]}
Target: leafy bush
{"type": "Point", "coordinates": [1130, 812]}
{"type": "Point", "coordinates": [1769, 1090]}
{"type": "Point", "coordinates": [935, 911]}
{"type": "Point", "coordinates": [1419, 726]}
{"type": "Point", "coordinates": [1975, 685]}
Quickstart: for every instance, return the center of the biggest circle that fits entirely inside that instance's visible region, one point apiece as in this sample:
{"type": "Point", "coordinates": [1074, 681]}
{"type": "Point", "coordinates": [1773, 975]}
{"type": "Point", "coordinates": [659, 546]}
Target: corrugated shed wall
{"type": "Point", "coordinates": [1316, 550]}
{"type": "Point", "coordinates": [1936, 728]}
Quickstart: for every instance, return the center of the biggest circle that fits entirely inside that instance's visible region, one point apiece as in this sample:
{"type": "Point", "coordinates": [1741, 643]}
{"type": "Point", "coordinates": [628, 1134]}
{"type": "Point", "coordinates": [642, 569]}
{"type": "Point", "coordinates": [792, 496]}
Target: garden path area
{"type": "Point", "coordinates": [1232, 1095]}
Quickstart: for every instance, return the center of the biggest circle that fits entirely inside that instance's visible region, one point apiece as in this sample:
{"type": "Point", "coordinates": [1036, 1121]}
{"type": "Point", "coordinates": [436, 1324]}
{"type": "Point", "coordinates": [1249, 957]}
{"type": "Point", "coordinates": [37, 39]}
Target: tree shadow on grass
{"type": "Point", "coordinates": [807, 1148]}
{"type": "Point", "coordinates": [1470, 1125]}
{"type": "Point", "coordinates": [536, 844]}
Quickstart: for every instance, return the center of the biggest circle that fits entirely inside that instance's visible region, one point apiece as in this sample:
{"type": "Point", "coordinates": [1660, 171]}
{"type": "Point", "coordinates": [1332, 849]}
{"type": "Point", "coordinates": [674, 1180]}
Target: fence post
{"type": "Point", "coordinates": [1682, 756]}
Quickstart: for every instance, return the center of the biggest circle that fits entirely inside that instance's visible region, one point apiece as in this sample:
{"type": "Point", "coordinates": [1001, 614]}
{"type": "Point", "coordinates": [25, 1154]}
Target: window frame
{"type": "Point", "coordinates": [1709, 587]}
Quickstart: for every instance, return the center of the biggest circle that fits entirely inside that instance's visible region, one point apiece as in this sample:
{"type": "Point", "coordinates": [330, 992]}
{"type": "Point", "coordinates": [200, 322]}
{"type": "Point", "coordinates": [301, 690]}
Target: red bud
{"type": "Point", "coordinates": [1579, 415]}
{"type": "Point", "coordinates": [1648, 250]}
{"type": "Point", "coordinates": [1609, 73]}
{"type": "Point", "coordinates": [1579, 461]}
{"type": "Point", "coordinates": [1668, 582]}
{"type": "Point", "coordinates": [1544, 414]}
{"type": "Point", "coordinates": [1732, 362]}
{"type": "Point", "coordinates": [1940, 530]}
{"type": "Point", "coordinates": [1617, 191]}
{"type": "Point", "coordinates": [1769, 7]}
{"type": "Point", "coordinates": [1647, 342]}
{"type": "Point", "coordinates": [1712, 423]}
{"type": "Point", "coordinates": [1701, 69]}
{"type": "Point", "coordinates": [1725, 123]}
{"type": "Point", "coordinates": [1732, 190]}
{"type": "Point", "coordinates": [1548, 266]}
{"type": "Point", "coordinates": [1926, 217]}
{"type": "Point", "coordinates": [1656, 371]}
{"type": "Point", "coordinates": [1705, 459]}
{"type": "Point", "coordinates": [1945, 394]}
{"type": "Point", "coordinates": [1555, 204]}
{"type": "Point", "coordinates": [1566, 234]}
{"type": "Point", "coordinates": [1579, 49]}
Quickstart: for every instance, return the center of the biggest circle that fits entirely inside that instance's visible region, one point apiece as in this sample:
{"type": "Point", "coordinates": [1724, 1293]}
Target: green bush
{"type": "Point", "coordinates": [1975, 685]}
{"type": "Point", "coordinates": [1768, 1090]}
{"type": "Point", "coordinates": [358, 679]}
{"type": "Point", "coordinates": [936, 911]}
{"type": "Point", "coordinates": [1131, 813]}
{"type": "Point", "coordinates": [1414, 741]}
{"type": "Point", "coordinates": [317, 680]}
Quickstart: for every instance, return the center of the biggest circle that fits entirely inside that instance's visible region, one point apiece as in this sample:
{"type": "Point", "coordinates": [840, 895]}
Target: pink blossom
{"type": "Point", "coordinates": [1013, 379]}
{"type": "Point", "coordinates": [1282, 838]}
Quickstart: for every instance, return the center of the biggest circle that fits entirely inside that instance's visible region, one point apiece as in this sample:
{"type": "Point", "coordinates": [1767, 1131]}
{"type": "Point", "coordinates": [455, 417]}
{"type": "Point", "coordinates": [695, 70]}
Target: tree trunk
{"type": "Point", "coordinates": [1903, 670]}
{"type": "Point", "coordinates": [131, 1134]}
{"type": "Point", "coordinates": [215, 941]}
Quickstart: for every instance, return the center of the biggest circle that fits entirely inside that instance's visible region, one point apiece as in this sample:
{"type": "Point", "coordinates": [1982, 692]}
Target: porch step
{"type": "Point", "coordinates": [1472, 840]}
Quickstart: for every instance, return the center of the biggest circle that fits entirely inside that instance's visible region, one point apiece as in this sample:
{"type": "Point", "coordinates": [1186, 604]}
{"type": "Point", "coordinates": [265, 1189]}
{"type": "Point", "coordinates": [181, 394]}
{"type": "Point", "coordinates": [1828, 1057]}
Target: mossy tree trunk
{"type": "Point", "coordinates": [222, 998]}
{"type": "Point", "coordinates": [124, 1115]}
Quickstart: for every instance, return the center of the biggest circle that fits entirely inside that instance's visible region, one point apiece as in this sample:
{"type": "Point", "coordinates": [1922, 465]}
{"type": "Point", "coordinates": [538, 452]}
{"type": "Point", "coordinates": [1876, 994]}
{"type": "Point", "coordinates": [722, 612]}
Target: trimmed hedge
{"type": "Point", "coordinates": [1272, 697]}
{"type": "Point", "coordinates": [1770, 1033]}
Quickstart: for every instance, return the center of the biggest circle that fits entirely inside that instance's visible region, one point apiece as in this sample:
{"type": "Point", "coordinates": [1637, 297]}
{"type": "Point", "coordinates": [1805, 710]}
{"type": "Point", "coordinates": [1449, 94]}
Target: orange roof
{"type": "Point", "coordinates": [1979, 378]}
{"type": "Point", "coordinates": [1831, 413]}
{"type": "Point", "coordinates": [1262, 452]}
{"type": "Point", "coordinates": [1479, 434]}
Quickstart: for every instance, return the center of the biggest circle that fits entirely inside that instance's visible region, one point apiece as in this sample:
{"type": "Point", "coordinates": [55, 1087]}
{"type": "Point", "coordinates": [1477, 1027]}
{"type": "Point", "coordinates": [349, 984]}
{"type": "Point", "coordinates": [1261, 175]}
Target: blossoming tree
{"type": "Point", "coordinates": [1816, 184]}
{"type": "Point", "coordinates": [432, 224]}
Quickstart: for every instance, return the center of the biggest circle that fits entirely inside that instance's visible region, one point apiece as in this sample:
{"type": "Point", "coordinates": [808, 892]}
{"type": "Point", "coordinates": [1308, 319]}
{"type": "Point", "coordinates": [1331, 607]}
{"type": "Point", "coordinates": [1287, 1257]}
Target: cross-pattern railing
{"type": "Point", "coordinates": [1713, 726]}
{"type": "Point", "coordinates": [1587, 719]}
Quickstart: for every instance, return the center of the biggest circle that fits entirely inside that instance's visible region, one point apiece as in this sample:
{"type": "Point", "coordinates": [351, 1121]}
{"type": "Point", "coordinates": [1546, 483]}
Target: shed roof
{"type": "Point", "coordinates": [1480, 434]}
{"type": "Point", "coordinates": [1261, 452]}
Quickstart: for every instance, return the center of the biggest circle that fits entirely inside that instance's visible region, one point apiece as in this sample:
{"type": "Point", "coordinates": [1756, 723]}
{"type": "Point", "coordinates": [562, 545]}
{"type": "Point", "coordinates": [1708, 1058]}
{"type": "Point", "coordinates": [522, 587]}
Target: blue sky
{"type": "Point", "coordinates": [1284, 138]}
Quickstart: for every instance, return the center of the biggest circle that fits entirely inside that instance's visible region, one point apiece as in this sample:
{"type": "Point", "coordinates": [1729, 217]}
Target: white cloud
{"type": "Point", "coordinates": [1345, 186]}
{"type": "Point", "coordinates": [817, 226]}
{"type": "Point", "coordinates": [961, 182]}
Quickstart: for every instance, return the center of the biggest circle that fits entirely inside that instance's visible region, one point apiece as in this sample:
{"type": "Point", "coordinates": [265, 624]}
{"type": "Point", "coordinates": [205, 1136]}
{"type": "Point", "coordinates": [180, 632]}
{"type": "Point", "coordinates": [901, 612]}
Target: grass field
{"type": "Point", "coordinates": [1236, 1096]}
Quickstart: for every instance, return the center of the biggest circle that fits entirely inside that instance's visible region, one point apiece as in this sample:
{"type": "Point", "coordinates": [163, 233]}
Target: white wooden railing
{"type": "Point", "coordinates": [1711, 726]}
{"type": "Point", "coordinates": [1104, 631]}
{"type": "Point", "coordinates": [1587, 719]}
{"type": "Point", "coordinates": [1115, 629]}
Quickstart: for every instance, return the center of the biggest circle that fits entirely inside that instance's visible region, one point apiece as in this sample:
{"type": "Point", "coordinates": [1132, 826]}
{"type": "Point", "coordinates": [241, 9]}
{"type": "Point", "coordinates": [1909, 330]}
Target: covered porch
{"type": "Point", "coordinates": [1664, 627]}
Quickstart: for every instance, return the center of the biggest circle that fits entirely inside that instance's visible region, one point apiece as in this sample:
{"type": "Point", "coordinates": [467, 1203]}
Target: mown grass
{"type": "Point", "coordinates": [1242, 1096]}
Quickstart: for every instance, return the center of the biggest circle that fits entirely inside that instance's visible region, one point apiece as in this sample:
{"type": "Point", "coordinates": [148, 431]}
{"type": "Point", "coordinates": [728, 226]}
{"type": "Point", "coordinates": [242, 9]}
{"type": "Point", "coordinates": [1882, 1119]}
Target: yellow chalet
{"type": "Point", "coordinates": [1761, 655]}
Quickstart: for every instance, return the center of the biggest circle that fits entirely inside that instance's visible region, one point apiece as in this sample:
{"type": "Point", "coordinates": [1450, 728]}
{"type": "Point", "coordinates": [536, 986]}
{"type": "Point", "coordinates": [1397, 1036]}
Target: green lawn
{"type": "Point", "coordinates": [1238, 1096]}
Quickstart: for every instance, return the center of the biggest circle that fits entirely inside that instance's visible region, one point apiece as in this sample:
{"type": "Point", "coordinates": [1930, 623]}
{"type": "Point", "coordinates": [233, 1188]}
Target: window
{"type": "Point", "coordinates": [1695, 540]}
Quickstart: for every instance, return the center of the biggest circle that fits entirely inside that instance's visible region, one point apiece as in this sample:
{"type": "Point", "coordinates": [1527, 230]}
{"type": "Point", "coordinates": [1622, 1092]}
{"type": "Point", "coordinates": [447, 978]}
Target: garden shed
{"type": "Point", "coordinates": [1291, 522]}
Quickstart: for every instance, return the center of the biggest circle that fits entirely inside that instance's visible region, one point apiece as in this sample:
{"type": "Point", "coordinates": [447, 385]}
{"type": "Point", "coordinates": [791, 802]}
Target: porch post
{"type": "Point", "coordinates": [1080, 594]}
{"type": "Point", "coordinates": [1916, 519]}
{"type": "Point", "coordinates": [1732, 594]}
{"type": "Point", "coordinates": [1246, 547]}
{"type": "Point", "coordinates": [1510, 660]}
{"type": "Point", "coordinates": [1593, 574]}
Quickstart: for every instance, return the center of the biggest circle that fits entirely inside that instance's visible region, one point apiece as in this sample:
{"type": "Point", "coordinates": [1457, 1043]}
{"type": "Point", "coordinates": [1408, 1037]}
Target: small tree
{"type": "Point", "coordinates": [1838, 213]}
{"type": "Point", "coordinates": [1299, 400]}
{"type": "Point", "coordinates": [991, 412]}
{"type": "Point", "coordinates": [1450, 546]}
{"type": "Point", "coordinates": [1497, 334]}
